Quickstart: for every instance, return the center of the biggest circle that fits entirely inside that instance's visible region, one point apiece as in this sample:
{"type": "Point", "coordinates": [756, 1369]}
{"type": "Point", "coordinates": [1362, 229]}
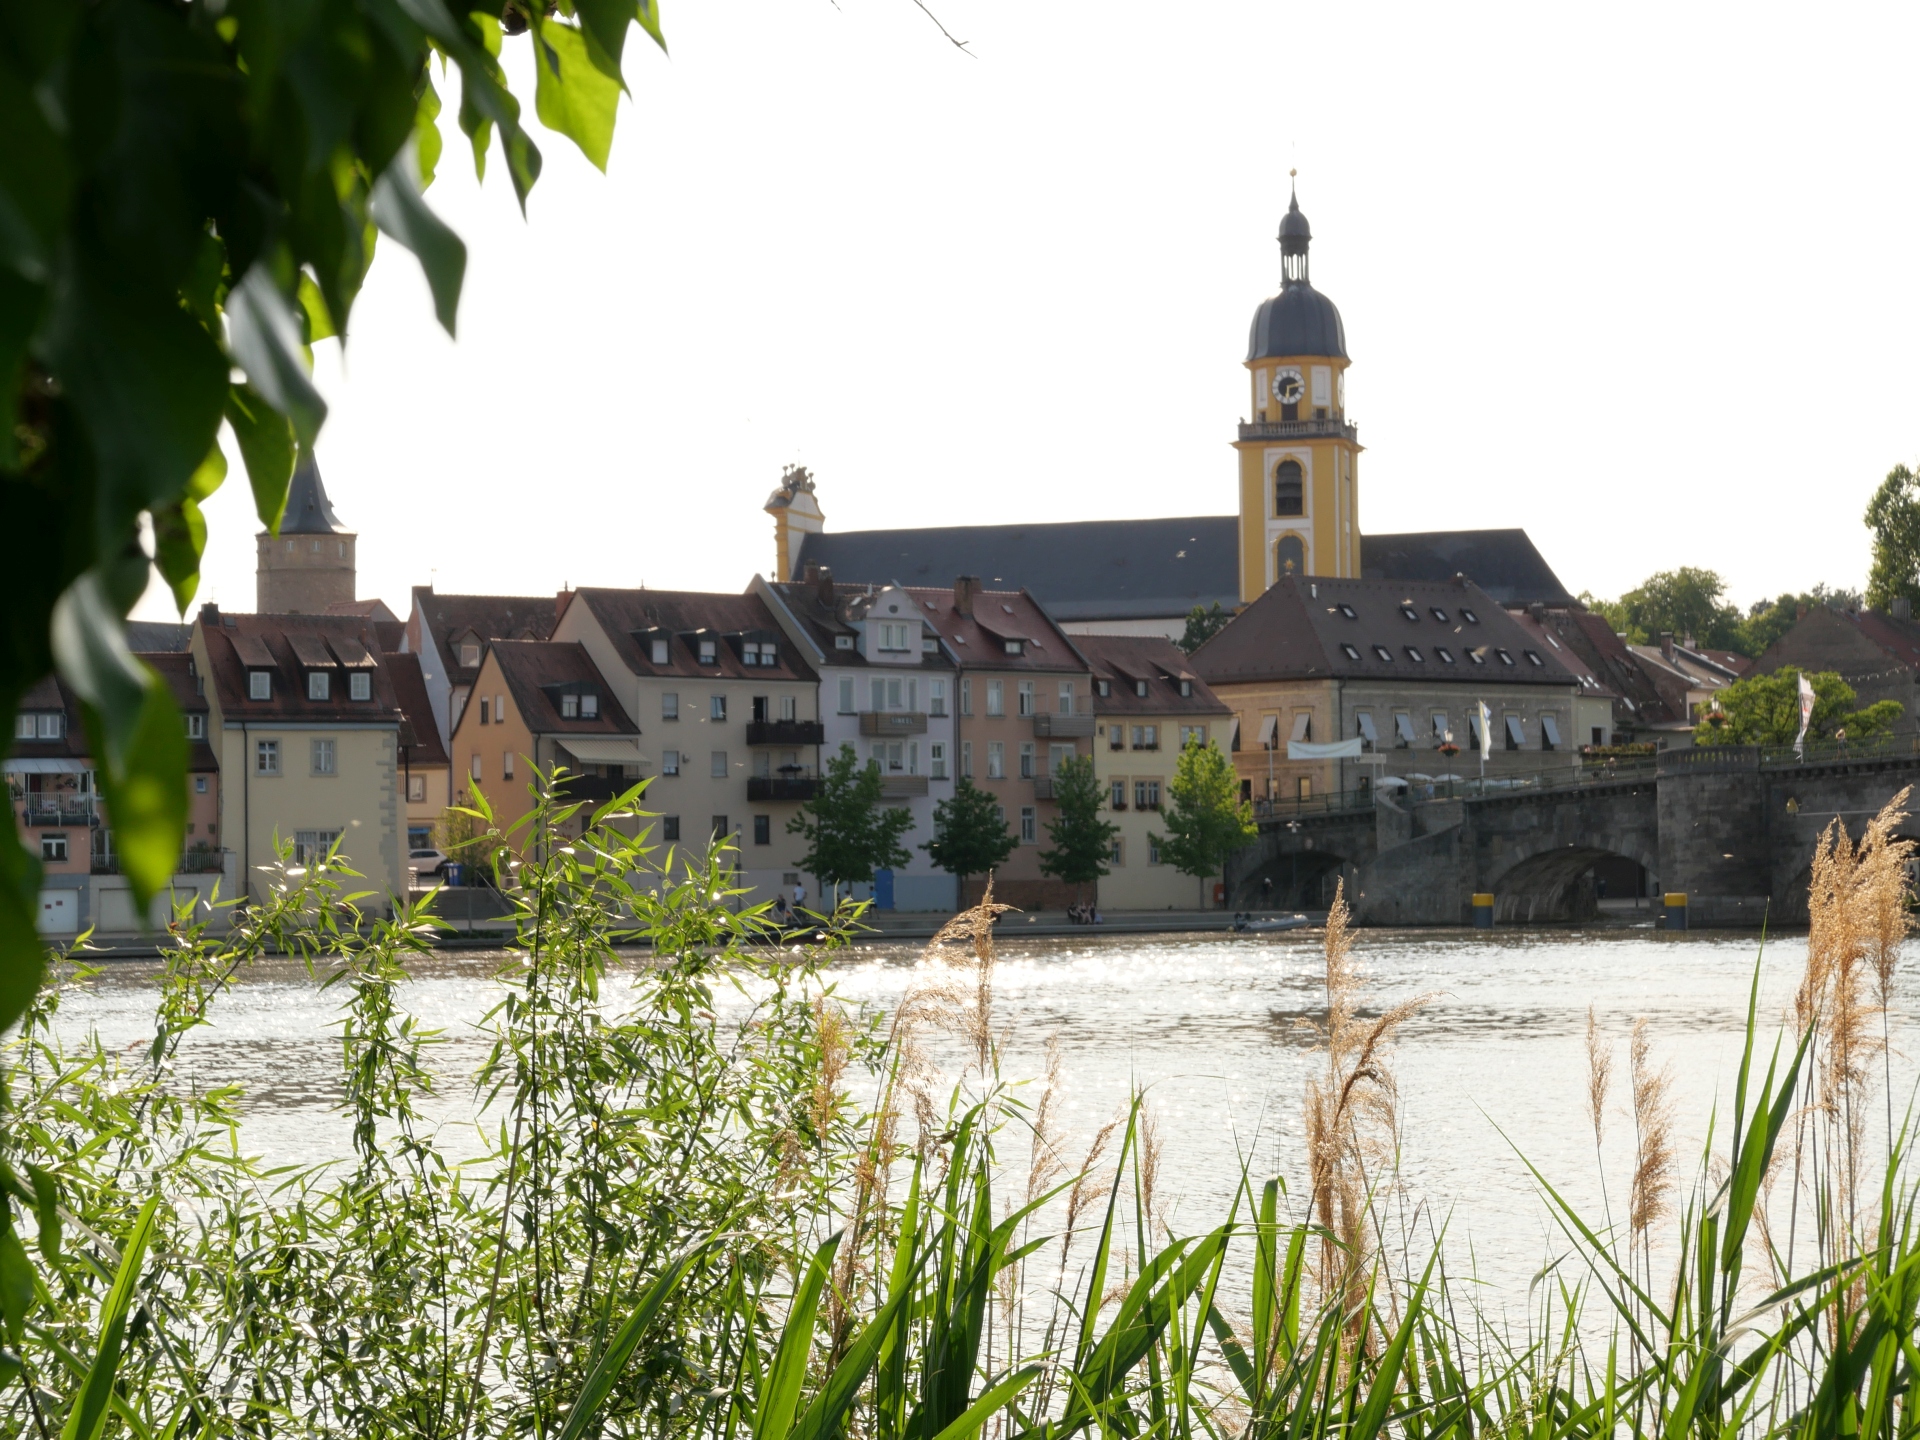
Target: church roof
{"type": "Point", "coordinates": [1079, 570]}
{"type": "Point", "coordinates": [1504, 563]}
{"type": "Point", "coordinates": [309, 512]}
{"type": "Point", "coordinates": [1297, 321]}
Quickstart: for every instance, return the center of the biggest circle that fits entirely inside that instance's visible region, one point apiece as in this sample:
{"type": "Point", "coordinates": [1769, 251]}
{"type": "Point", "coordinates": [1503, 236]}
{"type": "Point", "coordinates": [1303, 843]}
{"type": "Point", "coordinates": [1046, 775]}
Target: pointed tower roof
{"type": "Point", "coordinates": [1299, 320]}
{"type": "Point", "coordinates": [309, 512]}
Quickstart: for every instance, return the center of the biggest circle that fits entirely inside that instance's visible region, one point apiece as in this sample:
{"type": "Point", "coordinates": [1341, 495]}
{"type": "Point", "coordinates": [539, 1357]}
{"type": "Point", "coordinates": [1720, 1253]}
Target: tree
{"type": "Point", "coordinates": [1765, 710]}
{"type": "Point", "coordinates": [1205, 817]}
{"type": "Point", "coordinates": [1202, 626]}
{"type": "Point", "coordinates": [1686, 601]}
{"type": "Point", "coordinates": [1768, 620]}
{"type": "Point", "coordinates": [969, 837]}
{"type": "Point", "coordinates": [191, 193]}
{"type": "Point", "coordinates": [1893, 515]}
{"type": "Point", "coordinates": [849, 833]}
{"type": "Point", "coordinates": [1082, 841]}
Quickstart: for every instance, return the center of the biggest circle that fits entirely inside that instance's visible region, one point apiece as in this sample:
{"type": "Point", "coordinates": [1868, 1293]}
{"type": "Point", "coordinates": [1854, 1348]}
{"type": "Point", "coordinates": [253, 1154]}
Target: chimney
{"type": "Point", "coordinates": [1902, 608]}
{"type": "Point", "coordinates": [210, 614]}
{"type": "Point", "coordinates": [822, 578]}
{"type": "Point", "coordinates": [1666, 643]}
{"type": "Point", "coordinates": [1538, 610]}
{"type": "Point", "coordinates": [1799, 612]}
{"type": "Point", "coordinates": [964, 589]}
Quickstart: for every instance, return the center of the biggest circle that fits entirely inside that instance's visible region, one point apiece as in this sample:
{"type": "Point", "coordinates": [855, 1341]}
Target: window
{"type": "Point", "coordinates": [499, 709]}
{"type": "Point", "coordinates": [1186, 688]}
{"type": "Point", "coordinates": [1146, 737]}
{"type": "Point", "coordinates": [763, 829]}
{"type": "Point", "coordinates": [1473, 729]}
{"type": "Point", "coordinates": [1402, 728]}
{"type": "Point", "coordinates": [589, 707]}
{"type": "Point", "coordinates": [1549, 733]}
{"type": "Point", "coordinates": [259, 684]}
{"type": "Point", "coordinates": [717, 765]}
{"type": "Point", "coordinates": [1289, 488]}
{"type": "Point", "coordinates": [966, 695]}
{"type": "Point", "coordinates": [469, 655]}
{"type": "Point", "coordinates": [1349, 651]}
{"type": "Point", "coordinates": [200, 785]}
{"type": "Point", "coordinates": [1026, 697]}
{"type": "Point", "coordinates": [759, 652]}
{"type": "Point", "coordinates": [483, 709]}
{"type": "Point", "coordinates": [1029, 830]}
{"type": "Point", "coordinates": [1468, 616]}
{"type": "Point", "coordinates": [1026, 760]}
{"type": "Point", "coordinates": [1196, 735]}
{"type": "Point", "coordinates": [506, 765]}
{"type": "Point", "coordinates": [1411, 613]}
{"type": "Point", "coordinates": [23, 727]}
{"type": "Point", "coordinates": [1153, 850]}
{"type": "Point", "coordinates": [789, 708]}
{"type": "Point", "coordinates": [266, 757]}
{"type": "Point", "coordinates": [966, 759]}
{"type": "Point", "coordinates": [996, 760]}
{"type": "Point", "coordinates": [721, 830]}
{"type": "Point", "coordinates": [1506, 657]}
{"type": "Point", "coordinates": [877, 694]}
{"type": "Point", "coordinates": [569, 707]}
{"type": "Point", "coordinates": [996, 697]}
{"type": "Point", "coordinates": [1516, 732]}
{"type": "Point", "coordinates": [937, 760]}
{"type": "Point", "coordinates": [360, 685]}
{"type": "Point", "coordinates": [323, 755]}
{"type": "Point", "coordinates": [670, 705]}
{"type": "Point", "coordinates": [1438, 614]}
{"type": "Point", "coordinates": [1102, 689]}
{"type": "Point", "coordinates": [1116, 850]}
{"type": "Point", "coordinates": [1146, 794]}
{"type": "Point", "coordinates": [763, 764]}
{"type": "Point", "coordinates": [1444, 653]}
{"type": "Point", "coordinates": [892, 636]}
{"type": "Point", "coordinates": [843, 642]}
{"type": "Point", "coordinates": [1478, 655]}
{"type": "Point", "coordinates": [1302, 728]}
{"type": "Point", "coordinates": [1016, 647]}
{"type": "Point", "coordinates": [1118, 799]}
{"type": "Point", "coordinates": [669, 827]}
{"type": "Point", "coordinates": [1140, 688]}
{"type": "Point", "coordinates": [1413, 654]}
{"type": "Point", "coordinates": [476, 765]}
{"type": "Point", "coordinates": [846, 695]}
{"type": "Point", "coordinates": [53, 847]}
{"type": "Point", "coordinates": [1533, 657]}
{"type": "Point", "coordinates": [669, 762]}
{"type": "Point", "coordinates": [1304, 790]}
{"type": "Point", "coordinates": [312, 847]}
{"type": "Point", "coordinates": [319, 685]}
{"type": "Point", "coordinates": [1066, 697]}
{"type": "Point", "coordinates": [716, 707]}
{"type": "Point", "coordinates": [661, 651]}
{"type": "Point", "coordinates": [1346, 610]}
{"type": "Point", "coordinates": [1116, 737]}
{"type": "Point", "coordinates": [416, 789]}
{"type": "Point", "coordinates": [1437, 721]}
{"type": "Point", "coordinates": [709, 653]}
{"type": "Point", "coordinates": [1363, 727]}
{"type": "Point", "coordinates": [1383, 653]}
{"type": "Point", "coordinates": [196, 727]}
{"type": "Point", "coordinates": [936, 697]}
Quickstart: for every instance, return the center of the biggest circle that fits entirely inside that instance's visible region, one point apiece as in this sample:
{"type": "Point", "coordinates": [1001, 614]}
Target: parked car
{"type": "Point", "coordinates": [425, 862]}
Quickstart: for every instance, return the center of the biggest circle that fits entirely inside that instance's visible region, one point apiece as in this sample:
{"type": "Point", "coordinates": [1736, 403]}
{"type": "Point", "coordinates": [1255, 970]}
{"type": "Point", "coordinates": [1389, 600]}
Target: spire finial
{"type": "Point", "coordinates": [1295, 235]}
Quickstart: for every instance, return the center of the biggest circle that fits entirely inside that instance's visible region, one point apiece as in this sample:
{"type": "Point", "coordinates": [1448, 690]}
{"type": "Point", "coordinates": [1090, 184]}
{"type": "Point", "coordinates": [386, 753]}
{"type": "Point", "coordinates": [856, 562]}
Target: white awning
{"type": "Point", "coordinates": [1553, 731]}
{"type": "Point", "coordinates": [14, 765]}
{"type": "Point", "coordinates": [1403, 726]}
{"type": "Point", "coordinates": [1517, 731]}
{"type": "Point", "coordinates": [1338, 750]}
{"type": "Point", "coordinates": [603, 749]}
{"type": "Point", "coordinates": [1269, 724]}
{"type": "Point", "coordinates": [1367, 732]}
{"type": "Point", "coordinates": [1303, 725]}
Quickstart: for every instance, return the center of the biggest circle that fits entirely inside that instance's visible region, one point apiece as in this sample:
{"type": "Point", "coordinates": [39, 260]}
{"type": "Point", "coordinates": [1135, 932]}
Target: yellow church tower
{"type": "Point", "coordinates": [1298, 453]}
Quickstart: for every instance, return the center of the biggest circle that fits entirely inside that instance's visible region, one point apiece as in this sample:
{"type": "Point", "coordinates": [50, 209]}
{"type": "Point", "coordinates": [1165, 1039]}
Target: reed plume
{"type": "Point", "coordinates": [1653, 1135]}
{"type": "Point", "coordinates": [1599, 1083]}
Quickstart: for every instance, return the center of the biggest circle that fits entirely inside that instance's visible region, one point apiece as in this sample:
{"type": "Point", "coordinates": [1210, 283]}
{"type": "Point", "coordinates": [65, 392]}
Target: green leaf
{"type": "Point", "coordinates": [267, 446]}
{"type": "Point", "coordinates": [400, 212]}
{"type": "Point", "coordinates": [139, 742]}
{"type": "Point", "coordinates": [607, 1369]}
{"type": "Point", "coordinates": [266, 341]}
{"type": "Point", "coordinates": [572, 94]}
{"type": "Point", "coordinates": [89, 1414]}
{"type": "Point", "coordinates": [23, 958]}
{"type": "Point", "coordinates": [180, 530]}
{"type": "Point", "coordinates": [978, 1413]}
{"type": "Point", "coordinates": [313, 305]}
{"type": "Point", "coordinates": [21, 304]}
{"type": "Point", "coordinates": [16, 1281]}
{"type": "Point", "coordinates": [648, 13]}
{"type": "Point", "coordinates": [780, 1392]}
{"type": "Point", "coordinates": [606, 22]}
{"type": "Point", "coordinates": [46, 1210]}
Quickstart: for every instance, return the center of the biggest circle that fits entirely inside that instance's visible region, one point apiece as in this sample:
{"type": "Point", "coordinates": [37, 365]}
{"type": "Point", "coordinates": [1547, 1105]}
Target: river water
{"type": "Point", "coordinates": [1218, 1028]}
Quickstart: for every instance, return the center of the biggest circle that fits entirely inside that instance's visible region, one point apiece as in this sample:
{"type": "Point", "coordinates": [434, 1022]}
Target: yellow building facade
{"type": "Point", "coordinates": [1298, 453]}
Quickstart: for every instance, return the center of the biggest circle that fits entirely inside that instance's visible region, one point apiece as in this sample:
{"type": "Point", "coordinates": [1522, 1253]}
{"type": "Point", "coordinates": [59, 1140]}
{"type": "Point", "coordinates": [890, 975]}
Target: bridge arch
{"type": "Point", "coordinates": [1561, 883]}
{"type": "Point", "coordinates": [1291, 879]}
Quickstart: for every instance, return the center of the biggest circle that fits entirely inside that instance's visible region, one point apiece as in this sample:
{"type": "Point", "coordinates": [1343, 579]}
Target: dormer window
{"type": "Point", "coordinates": [759, 652]}
{"type": "Point", "coordinates": [469, 654]}
{"type": "Point", "coordinates": [893, 636]}
{"type": "Point", "coordinates": [45, 725]}
{"type": "Point", "coordinates": [319, 685]}
{"type": "Point", "coordinates": [360, 685]}
{"type": "Point", "coordinates": [259, 684]}
{"type": "Point", "coordinates": [930, 647]}
{"type": "Point", "coordinates": [1186, 689]}
{"type": "Point", "coordinates": [569, 707]}
{"type": "Point", "coordinates": [589, 707]}
{"type": "Point", "coordinates": [1140, 688]}
{"type": "Point", "coordinates": [1102, 688]}
{"type": "Point", "coordinates": [1016, 647]}
{"type": "Point", "coordinates": [709, 652]}
{"type": "Point", "coordinates": [843, 642]}
{"type": "Point", "coordinates": [661, 651]}
{"type": "Point", "coordinates": [196, 727]}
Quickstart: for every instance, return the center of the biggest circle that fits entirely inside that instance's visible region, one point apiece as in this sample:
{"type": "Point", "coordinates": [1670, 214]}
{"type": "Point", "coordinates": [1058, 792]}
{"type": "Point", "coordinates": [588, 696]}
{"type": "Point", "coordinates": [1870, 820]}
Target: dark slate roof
{"type": "Point", "coordinates": [1501, 562]}
{"type": "Point", "coordinates": [1299, 630]}
{"type": "Point", "coordinates": [309, 512]}
{"type": "Point", "coordinates": [154, 637]}
{"type": "Point", "coordinates": [489, 617]}
{"type": "Point", "coordinates": [1297, 321]}
{"type": "Point", "coordinates": [632, 619]}
{"type": "Point", "coordinates": [1079, 570]}
{"type": "Point", "coordinates": [537, 672]}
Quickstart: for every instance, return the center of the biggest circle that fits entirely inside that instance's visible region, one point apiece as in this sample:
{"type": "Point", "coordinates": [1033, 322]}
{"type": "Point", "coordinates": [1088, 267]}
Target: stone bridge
{"type": "Point", "coordinates": [1732, 826]}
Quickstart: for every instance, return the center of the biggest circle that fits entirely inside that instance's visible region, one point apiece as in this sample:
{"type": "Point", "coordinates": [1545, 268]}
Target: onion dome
{"type": "Point", "coordinates": [1299, 320]}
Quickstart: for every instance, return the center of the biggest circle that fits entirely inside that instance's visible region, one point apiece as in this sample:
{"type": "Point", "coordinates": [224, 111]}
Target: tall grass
{"type": "Point", "coordinates": [815, 1222]}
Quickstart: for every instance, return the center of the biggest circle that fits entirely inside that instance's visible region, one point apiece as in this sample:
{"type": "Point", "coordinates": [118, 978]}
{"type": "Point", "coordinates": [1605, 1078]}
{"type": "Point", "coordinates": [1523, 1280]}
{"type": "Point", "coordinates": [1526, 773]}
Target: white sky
{"type": "Point", "coordinates": [1637, 278]}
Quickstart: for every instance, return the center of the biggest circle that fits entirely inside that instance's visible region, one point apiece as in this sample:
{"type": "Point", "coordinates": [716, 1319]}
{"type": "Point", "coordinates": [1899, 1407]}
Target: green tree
{"type": "Point", "coordinates": [1202, 626]}
{"type": "Point", "coordinates": [1687, 601]}
{"type": "Point", "coordinates": [1082, 841]}
{"type": "Point", "coordinates": [1893, 515]}
{"type": "Point", "coordinates": [849, 833]}
{"type": "Point", "coordinates": [969, 837]}
{"type": "Point", "coordinates": [1205, 817]}
{"type": "Point", "coordinates": [1768, 620]}
{"type": "Point", "coordinates": [1765, 710]}
{"type": "Point", "coordinates": [189, 199]}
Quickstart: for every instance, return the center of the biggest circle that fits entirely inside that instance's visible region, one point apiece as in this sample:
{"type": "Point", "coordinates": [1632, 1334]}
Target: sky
{"type": "Point", "coordinates": [1637, 278]}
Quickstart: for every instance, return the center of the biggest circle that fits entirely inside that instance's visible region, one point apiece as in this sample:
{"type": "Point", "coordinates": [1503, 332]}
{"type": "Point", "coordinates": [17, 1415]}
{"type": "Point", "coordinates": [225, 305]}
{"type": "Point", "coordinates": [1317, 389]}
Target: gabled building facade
{"type": "Point", "coordinates": [451, 633]}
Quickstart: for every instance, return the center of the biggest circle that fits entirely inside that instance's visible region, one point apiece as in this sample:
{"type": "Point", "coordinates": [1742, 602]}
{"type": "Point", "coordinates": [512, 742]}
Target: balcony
{"type": "Point", "coordinates": [761, 788]}
{"type": "Point", "coordinates": [893, 722]}
{"type": "Point", "coordinates": [1063, 727]}
{"type": "Point", "coordinates": [1289, 429]}
{"type": "Point", "coordinates": [785, 732]}
{"type": "Point", "coordinates": [57, 808]}
{"type": "Point", "coordinates": [1043, 787]}
{"type": "Point", "coordinates": [902, 787]}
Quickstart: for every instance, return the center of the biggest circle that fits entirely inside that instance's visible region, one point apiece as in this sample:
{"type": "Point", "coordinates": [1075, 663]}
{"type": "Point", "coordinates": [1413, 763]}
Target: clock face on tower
{"type": "Point", "coordinates": [1288, 386]}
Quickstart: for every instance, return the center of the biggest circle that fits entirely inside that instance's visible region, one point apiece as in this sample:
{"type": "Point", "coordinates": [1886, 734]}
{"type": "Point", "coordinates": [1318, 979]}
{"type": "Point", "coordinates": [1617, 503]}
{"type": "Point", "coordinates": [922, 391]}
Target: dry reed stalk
{"type": "Point", "coordinates": [1045, 1166]}
{"type": "Point", "coordinates": [1599, 1076]}
{"type": "Point", "coordinates": [1887, 893]}
{"type": "Point", "coordinates": [1653, 1158]}
{"type": "Point", "coordinates": [1151, 1149]}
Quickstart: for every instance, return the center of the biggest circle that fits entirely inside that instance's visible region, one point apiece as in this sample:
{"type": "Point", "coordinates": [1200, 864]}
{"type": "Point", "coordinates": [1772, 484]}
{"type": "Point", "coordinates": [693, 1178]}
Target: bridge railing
{"type": "Point", "coordinates": [1337, 802]}
{"type": "Point", "coordinates": [1826, 752]}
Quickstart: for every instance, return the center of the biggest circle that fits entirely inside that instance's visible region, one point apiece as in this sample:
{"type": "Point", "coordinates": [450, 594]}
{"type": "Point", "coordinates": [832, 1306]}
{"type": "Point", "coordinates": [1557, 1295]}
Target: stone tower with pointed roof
{"type": "Point", "coordinates": [310, 564]}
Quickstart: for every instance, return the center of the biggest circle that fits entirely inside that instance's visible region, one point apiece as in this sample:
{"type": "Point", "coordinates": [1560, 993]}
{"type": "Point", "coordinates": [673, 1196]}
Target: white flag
{"type": "Point", "coordinates": [1486, 730]}
{"type": "Point", "coordinates": [1806, 716]}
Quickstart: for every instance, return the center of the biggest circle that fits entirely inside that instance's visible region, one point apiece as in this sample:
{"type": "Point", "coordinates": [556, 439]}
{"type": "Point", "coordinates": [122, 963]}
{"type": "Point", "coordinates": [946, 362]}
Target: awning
{"type": "Point", "coordinates": [1403, 726]}
{"type": "Point", "coordinates": [14, 765]}
{"type": "Point", "coordinates": [1367, 732]}
{"type": "Point", "coordinates": [603, 749]}
{"type": "Point", "coordinates": [1302, 726]}
{"type": "Point", "coordinates": [1517, 731]}
{"type": "Point", "coordinates": [1269, 726]}
{"type": "Point", "coordinates": [1553, 731]}
{"type": "Point", "coordinates": [1338, 750]}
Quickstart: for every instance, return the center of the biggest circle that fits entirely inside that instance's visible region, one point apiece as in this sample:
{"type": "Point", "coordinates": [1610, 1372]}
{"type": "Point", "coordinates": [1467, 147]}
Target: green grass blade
{"type": "Point", "coordinates": [89, 1414]}
{"type": "Point", "coordinates": [780, 1397]}
{"type": "Point", "coordinates": [978, 1413]}
{"type": "Point", "coordinates": [613, 1360]}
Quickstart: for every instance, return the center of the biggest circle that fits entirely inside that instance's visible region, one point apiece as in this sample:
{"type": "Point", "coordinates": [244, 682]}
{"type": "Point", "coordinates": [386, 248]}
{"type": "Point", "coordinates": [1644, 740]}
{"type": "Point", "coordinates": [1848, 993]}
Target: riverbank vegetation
{"type": "Point", "coordinates": [809, 1221]}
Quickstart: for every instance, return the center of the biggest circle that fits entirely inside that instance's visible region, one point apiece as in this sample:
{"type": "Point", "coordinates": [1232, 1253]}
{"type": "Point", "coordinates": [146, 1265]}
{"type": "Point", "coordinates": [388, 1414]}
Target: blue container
{"type": "Point", "coordinates": [453, 874]}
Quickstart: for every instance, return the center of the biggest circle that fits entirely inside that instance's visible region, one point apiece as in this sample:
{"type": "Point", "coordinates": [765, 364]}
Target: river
{"type": "Point", "coordinates": [1219, 1029]}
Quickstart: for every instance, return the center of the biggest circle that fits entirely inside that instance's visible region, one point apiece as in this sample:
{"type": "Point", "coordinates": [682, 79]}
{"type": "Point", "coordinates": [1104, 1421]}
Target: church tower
{"type": "Point", "coordinates": [1298, 453]}
{"type": "Point", "coordinates": [309, 565]}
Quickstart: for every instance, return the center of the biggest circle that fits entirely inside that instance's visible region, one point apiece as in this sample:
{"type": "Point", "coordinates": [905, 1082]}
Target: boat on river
{"type": "Point", "coordinates": [1246, 925]}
